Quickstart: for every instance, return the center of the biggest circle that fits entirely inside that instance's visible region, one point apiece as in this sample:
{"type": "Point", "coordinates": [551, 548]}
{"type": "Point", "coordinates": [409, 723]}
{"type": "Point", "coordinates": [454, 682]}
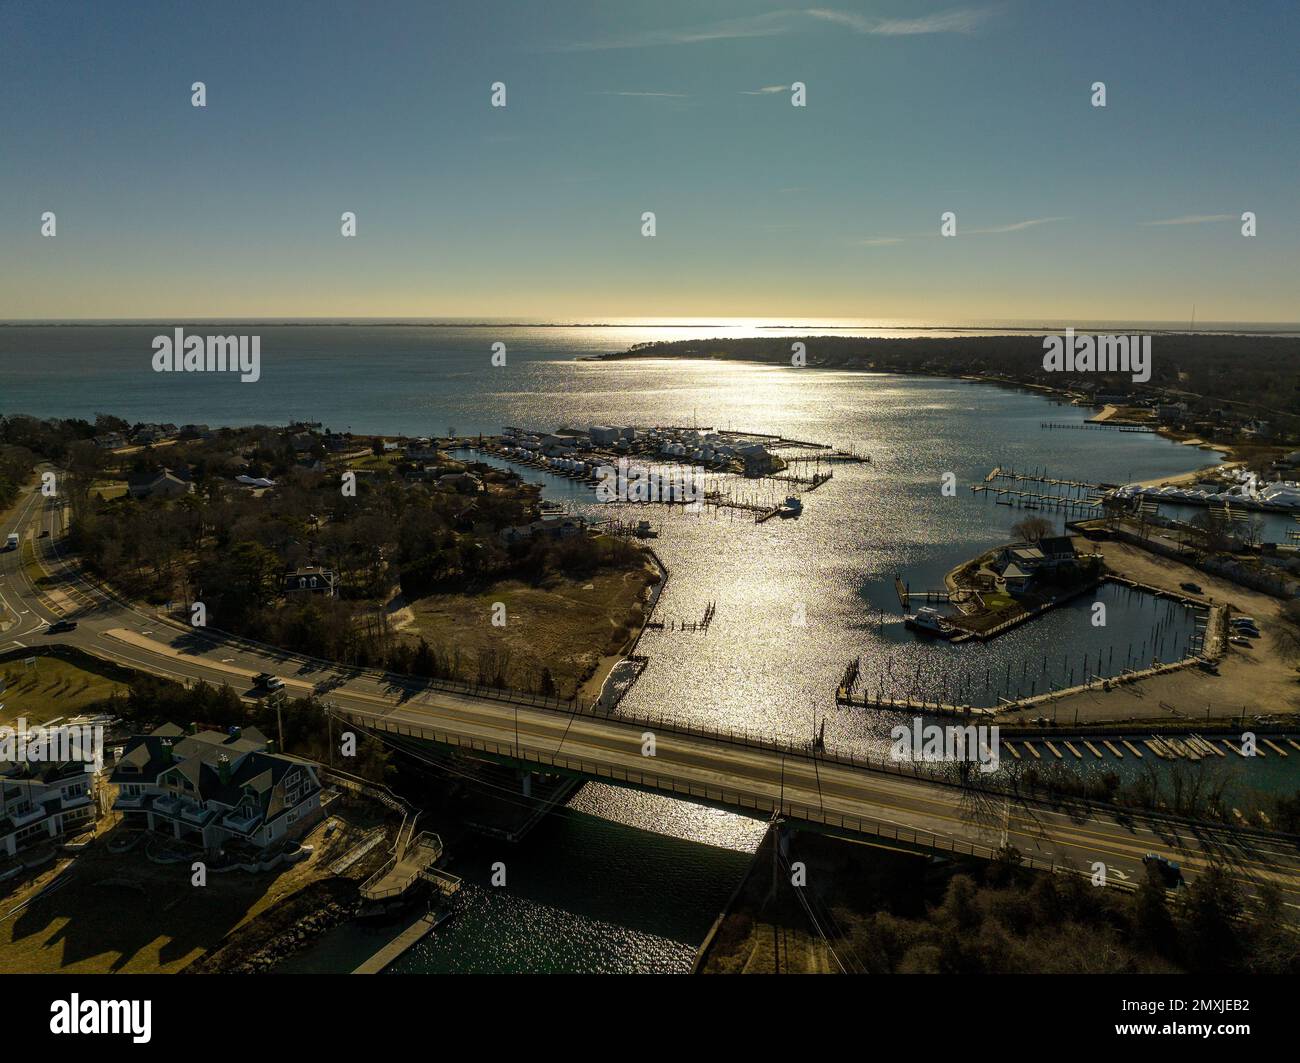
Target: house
{"type": "Point", "coordinates": [464, 482]}
{"type": "Point", "coordinates": [1027, 556]}
{"type": "Point", "coordinates": [47, 798]}
{"type": "Point", "coordinates": [603, 435]}
{"type": "Point", "coordinates": [1057, 550]}
{"type": "Point", "coordinates": [552, 528]}
{"type": "Point", "coordinates": [311, 580]}
{"type": "Point", "coordinates": [422, 450]}
{"type": "Point", "coordinates": [161, 484]}
{"type": "Point", "coordinates": [110, 441]}
{"type": "Point", "coordinates": [1015, 580]}
{"type": "Point", "coordinates": [210, 788]}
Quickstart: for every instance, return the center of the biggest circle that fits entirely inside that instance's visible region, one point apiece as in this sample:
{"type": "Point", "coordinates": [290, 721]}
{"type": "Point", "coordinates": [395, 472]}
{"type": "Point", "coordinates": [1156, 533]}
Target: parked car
{"type": "Point", "coordinates": [1243, 621]}
{"type": "Point", "coordinates": [1191, 588]}
{"type": "Point", "coordinates": [1239, 640]}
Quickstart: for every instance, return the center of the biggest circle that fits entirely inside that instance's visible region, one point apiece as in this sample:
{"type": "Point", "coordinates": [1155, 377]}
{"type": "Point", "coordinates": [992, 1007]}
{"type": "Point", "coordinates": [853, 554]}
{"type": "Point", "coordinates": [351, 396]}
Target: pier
{"type": "Point", "coordinates": [1000, 473]}
{"type": "Point", "coordinates": [409, 937]}
{"type": "Point", "coordinates": [1099, 426]}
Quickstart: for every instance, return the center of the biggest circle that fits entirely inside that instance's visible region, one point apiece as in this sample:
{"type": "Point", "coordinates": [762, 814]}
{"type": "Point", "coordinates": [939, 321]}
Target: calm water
{"type": "Point", "coordinates": [796, 599]}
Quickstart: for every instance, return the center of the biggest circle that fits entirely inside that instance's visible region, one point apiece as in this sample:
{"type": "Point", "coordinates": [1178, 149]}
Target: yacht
{"type": "Point", "coordinates": [930, 621]}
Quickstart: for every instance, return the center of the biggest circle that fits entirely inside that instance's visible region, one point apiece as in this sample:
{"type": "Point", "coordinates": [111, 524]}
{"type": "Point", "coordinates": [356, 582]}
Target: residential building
{"type": "Point", "coordinates": [210, 788]}
{"type": "Point", "coordinates": [47, 799]}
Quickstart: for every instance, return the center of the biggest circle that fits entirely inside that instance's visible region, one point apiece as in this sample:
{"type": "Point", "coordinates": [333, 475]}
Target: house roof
{"type": "Point", "coordinates": [1057, 544]}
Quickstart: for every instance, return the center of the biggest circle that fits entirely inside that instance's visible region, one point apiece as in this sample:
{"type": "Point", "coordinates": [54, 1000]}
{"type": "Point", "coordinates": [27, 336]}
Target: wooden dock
{"type": "Point", "coordinates": [405, 940]}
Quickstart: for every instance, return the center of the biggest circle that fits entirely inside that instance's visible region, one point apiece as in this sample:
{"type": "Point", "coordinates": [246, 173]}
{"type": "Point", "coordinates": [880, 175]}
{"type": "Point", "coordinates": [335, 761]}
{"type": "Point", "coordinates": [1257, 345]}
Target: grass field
{"type": "Point", "coordinates": [562, 624]}
{"type": "Point", "coordinates": [49, 688]}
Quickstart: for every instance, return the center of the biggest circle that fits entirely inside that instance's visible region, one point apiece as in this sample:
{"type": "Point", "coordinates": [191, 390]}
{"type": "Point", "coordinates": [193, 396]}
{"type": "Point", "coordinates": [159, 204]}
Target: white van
{"type": "Point", "coordinates": [11, 543]}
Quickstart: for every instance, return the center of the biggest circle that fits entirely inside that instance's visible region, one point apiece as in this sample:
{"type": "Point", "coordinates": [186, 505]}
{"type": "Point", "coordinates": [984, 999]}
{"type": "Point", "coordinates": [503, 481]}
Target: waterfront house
{"type": "Point", "coordinates": [46, 799]}
{"type": "Point", "coordinates": [210, 788]}
{"type": "Point", "coordinates": [1015, 580]}
{"type": "Point", "coordinates": [1057, 550]}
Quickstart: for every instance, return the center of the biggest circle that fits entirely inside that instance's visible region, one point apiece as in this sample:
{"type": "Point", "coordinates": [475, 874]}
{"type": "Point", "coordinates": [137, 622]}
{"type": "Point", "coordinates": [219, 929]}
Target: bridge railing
{"type": "Point", "coordinates": [734, 798]}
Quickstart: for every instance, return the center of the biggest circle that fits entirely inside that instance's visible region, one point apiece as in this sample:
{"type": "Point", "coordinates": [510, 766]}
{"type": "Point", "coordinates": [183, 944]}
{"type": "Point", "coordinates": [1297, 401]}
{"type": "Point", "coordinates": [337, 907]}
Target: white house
{"type": "Point", "coordinates": [45, 799]}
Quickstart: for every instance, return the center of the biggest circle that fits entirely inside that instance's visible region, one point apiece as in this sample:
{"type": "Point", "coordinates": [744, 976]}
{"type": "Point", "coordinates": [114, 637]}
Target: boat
{"type": "Point", "coordinates": [792, 507]}
{"type": "Point", "coordinates": [930, 622]}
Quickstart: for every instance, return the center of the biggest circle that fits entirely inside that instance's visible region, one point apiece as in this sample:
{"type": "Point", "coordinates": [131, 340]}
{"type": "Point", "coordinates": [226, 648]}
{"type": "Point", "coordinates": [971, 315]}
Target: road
{"type": "Point", "coordinates": [803, 786]}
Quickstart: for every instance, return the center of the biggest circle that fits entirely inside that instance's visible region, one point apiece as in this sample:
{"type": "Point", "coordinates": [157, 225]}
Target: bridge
{"type": "Point", "coordinates": [897, 804]}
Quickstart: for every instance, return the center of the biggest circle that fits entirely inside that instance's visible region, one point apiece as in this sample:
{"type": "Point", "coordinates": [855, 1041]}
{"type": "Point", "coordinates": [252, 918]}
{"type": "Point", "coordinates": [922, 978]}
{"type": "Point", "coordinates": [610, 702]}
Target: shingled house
{"type": "Point", "coordinates": [210, 788]}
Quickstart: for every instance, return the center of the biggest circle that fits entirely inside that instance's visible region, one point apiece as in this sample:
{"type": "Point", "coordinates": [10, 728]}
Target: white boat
{"type": "Point", "coordinates": [792, 507]}
{"type": "Point", "coordinates": [930, 621]}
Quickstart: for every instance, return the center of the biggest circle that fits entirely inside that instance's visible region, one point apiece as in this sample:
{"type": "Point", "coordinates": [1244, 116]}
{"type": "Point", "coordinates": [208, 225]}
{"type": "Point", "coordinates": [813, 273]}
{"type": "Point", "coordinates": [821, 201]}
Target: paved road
{"type": "Point", "coordinates": [706, 768]}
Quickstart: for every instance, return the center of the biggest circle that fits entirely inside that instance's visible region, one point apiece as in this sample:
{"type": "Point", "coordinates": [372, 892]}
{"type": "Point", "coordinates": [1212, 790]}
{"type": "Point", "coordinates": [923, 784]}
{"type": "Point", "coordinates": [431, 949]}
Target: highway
{"type": "Point", "coordinates": [802, 786]}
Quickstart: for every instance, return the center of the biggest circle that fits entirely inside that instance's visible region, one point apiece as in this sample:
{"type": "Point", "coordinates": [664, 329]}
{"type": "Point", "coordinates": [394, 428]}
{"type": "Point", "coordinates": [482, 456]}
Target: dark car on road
{"type": "Point", "coordinates": [60, 626]}
{"type": "Point", "coordinates": [1168, 870]}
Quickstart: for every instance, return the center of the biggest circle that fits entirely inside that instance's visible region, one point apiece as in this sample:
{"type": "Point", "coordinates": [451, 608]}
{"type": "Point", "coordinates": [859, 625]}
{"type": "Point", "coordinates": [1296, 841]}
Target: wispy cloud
{"type": "Point", "coordinates": [770, 25]}
{"type": "Point", "coordinates": [1014, 227]}
{"type": "Point", "coordinates": [766, 90]}
{"type": "Point", "coordinates": [656, 95]}
{"type": "Point", "coordinates": [1193, 219]}
{"type": "Point", "coordinates": [879, 241]}
{"type": "Point", "coordinates": [779, 23]}
{"type": "Point", "coordinates": [964, 20]}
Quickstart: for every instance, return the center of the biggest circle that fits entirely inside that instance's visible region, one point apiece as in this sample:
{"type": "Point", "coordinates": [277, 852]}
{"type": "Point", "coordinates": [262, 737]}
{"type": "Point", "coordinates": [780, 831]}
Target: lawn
{"type": "Point", "coordinates": [50, 688]}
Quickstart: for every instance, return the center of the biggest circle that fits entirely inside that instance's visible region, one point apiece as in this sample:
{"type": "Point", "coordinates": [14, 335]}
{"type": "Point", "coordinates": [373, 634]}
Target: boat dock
{"type": "Point", "coordinates": [407, 939]}
{"type": "Point", "coordinates": [1000, 473]}
{"type": "Point", "coordinates": [1099, 426]}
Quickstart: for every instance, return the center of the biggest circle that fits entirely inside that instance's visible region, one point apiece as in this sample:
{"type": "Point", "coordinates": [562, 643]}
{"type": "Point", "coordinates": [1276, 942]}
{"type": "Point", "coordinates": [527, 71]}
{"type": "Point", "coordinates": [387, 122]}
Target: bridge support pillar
{"type": "Point", "coordinates": [526, 783]}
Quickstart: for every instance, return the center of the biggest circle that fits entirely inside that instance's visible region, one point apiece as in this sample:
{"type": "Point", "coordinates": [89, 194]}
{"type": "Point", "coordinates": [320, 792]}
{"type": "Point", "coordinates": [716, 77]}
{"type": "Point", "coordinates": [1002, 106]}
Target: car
{"type": "Point", "coordinates": [268, 681]}
{"type": "Point", "coordinates": [1243, 620]}
{"type": "Point", "coordinates": [1191, 588]}
{"type": "Point", "coordinates": [1245, 629]}
{"type": "Point", "coordinates": [1239, 640]}
{"type": "Point", "coordinates": [1168, 870]}
{"type": "Point", "coordinates": [60, 626]}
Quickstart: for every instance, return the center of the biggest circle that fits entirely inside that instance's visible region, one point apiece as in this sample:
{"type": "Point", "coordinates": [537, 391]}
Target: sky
{"type": "Point", "coordinates": [533, 211]}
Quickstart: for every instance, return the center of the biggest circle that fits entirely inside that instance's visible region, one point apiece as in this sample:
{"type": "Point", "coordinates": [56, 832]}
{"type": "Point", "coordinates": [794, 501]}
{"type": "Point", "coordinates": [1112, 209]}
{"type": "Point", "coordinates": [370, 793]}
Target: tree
{"type": "Point", "coordinates": [1032, 529]}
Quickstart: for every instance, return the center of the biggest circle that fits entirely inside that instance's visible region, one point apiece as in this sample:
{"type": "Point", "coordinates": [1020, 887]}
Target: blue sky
{"type": "Point", "coordinates": [532, 211]}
